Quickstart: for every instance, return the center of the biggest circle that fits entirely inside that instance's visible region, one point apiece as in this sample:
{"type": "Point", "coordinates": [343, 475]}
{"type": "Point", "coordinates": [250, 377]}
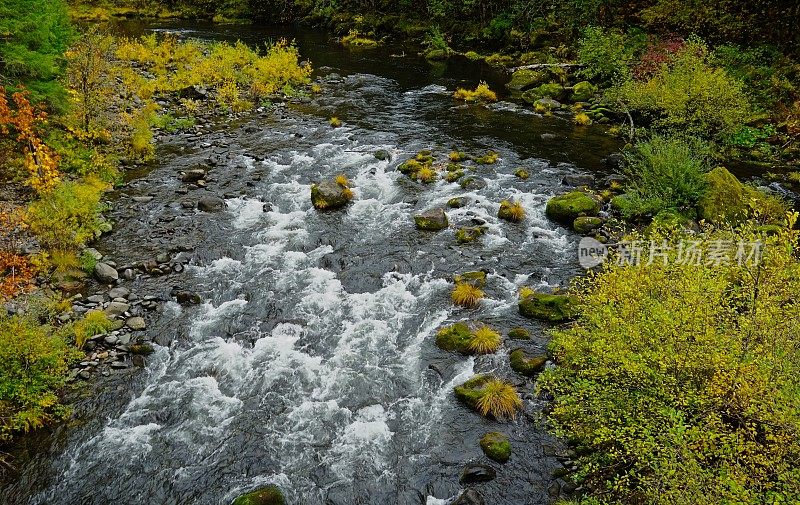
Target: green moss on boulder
{"type": "Point", "coordinates": [269, 495]}
{"type": "Point", "coordinates": [586, 224]}
{"type": "Point", "coordinates": [524, 79]}
{"type": "Point", "coordinates": [455, 337]}
{"type": "Point", "coordinates": [496, 446]}
{"type": "Point", "coordinates": [524, 365]}
{"type": "Point", "coordinates": [470, 391]}
{"type": "Point", "coordinates": [469, 234]}
{"type": "Point", "coordinates": [728, 200]}
{"type": "Point", "coordinates": [330, 195]}
{"type": "Point", "coordinates": [457, 202]}
{"type": "Point", "coordinates": [519, 334]}
{"type": "Point", "coordinates": [566, 208]}
{"type": "Point", "coordinates": [582, 91]}
{"type": "Point", "coordinates": [477, 278]}
{"type": "Point", "coordinates": [553, 308]}
{"type": "Point", "coordinates": [432, 220]}
{"type": "Point", "coordinates": [549, 90]}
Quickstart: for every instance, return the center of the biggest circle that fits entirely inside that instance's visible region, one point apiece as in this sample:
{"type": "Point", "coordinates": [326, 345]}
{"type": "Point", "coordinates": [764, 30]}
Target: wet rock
{"type": "Point", "coordinates": [141, 349]}
{"type": "Point", "coordinates": [496, 446]}
{"type": "Point", "coordinates": [469, 497]}
{"type": "Point", "coordinates": [524, 79]}
{"type": "Point", "coordinates": [211, 204]}
{"type": "Point", "coordinates": [578, 180]}
{"type": "Point", "coordinates": [106, 273]}
{"type": "Point", "coordinates": [329, 195]}
{"type": "Point", "coordinates": [136, 323]}
{"type": "Point", "coordinates": [163, 258]}
{"type": "Point", "coordinates": [96, 299]}
{"type": "Point", "coordinates": [432, 220]}
{"type": "Point", "coordinates": [110, 339]}
{"type": "Point", "coordinates": [586, 224]}
{"type": "Point", "coordinates": [128, 274]}
{"type": "Point", "coordinates": [115, 309]}
{"type": "Point", "coordinates": [472, 183]}
{"type": "Point", "coordinates": [142, 199]}
{"type": "Point", "coordinates": [119, 365]}
{"type": "Point", "coordinates": [269, 495]}
{"type": "Point", "coordinates": [519, 334]}
{"type": "Point", "coordinates": [526, 366]}
{"type": "Point", "coordinates": [138, 361]}
{"type": "Point", "coordinates": [476, 279]}
{"type": "Point", "coordinates": [193, 92]}
{"type": "Point", "coordinates": [614, 160]}
{"type": "Point", "coordinates": [475, 473]}
{"type": "Point", "coordinates": [382, 155]}
{"type": "Point", "coordinates": [124, 339]}
{"type": "Point", "coordinates": [193, 175]}
{"type": "Point", "coordinates": [457, 202]}
{"type": "Point", "coordinates": [187, 298]}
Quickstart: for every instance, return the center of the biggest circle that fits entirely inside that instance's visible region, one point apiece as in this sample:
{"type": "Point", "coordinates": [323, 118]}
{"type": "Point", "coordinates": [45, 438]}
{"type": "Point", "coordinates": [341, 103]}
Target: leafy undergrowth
{"type": "Point", "coordinates": [680, 382]}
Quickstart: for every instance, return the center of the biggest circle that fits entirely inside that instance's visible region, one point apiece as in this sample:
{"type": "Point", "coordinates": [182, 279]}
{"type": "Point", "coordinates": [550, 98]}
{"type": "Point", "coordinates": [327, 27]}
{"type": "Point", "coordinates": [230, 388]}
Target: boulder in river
{"type": "Point", "coordinates": [496, 446]}
{"type": "Point", "coordinates": [211, 204]}
{"type": "Point", "coordinates": [106, 273]}
{"type": "Point", "coordinates": [548, 307]}
{"type": "Point", "coordinates": [469, 497]}
{"type": "Point", "coordinates": [329, 195]}
{"type": "Point", "coordinates": [475, 473]}
{"type": "Point", "coordinates": [268, 495]}
{"type": "Point", "coordinates": [526, 366]}
{"type": "Point", "coordinates": [526, 78]}
{"type": "Point", "coordinates": [193, 175]}
{"type": "Point", "coordinates": [432, 220]}
{"type": "Point", "coordinates": [519, 334]}
{"type": "Point", "coordinates": [565, 208]}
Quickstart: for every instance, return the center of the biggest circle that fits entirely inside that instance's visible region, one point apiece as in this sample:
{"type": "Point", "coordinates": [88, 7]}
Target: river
{"type": "Point", "coordinates": [311, 361]}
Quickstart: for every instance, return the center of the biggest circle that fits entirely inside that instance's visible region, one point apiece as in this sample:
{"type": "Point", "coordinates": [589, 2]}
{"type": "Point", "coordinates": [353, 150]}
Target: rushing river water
{"type": "Point", "coordinates": [311, 362]}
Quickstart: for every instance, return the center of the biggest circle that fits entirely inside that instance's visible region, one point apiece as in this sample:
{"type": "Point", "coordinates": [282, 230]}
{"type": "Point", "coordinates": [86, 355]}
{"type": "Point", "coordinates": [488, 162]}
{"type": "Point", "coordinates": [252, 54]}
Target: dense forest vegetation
{"type": "Point", "coordinates": [676, 382]}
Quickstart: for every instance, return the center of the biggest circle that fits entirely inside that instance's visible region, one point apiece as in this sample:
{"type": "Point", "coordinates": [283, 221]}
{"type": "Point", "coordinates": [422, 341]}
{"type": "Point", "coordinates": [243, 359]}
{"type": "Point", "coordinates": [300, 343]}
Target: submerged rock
{"type": "Point", "coordinates": [432, 220]}
{"type": "Point", "coordinates": [523, 365]}
{"type": "Point", "coordinates": [475, 473]}
{"type": "Point", "coordinates": [330, 195]}
{"type": "Point", "coordinates": [566, 208]}
{"type": "Point", "coordinates": [553, 308]}
{"type": "Point", "coordinates": [519, 334]}
{"type": "Point", "coordinates": [469, 234]}
{"type": "Point", "coordinates": [211, 204]}
{"type": "Point", "coordinates": [269, 495]}
{"type": "Point", "coordinates": [496, 446]}
{"type": "Point", "coordinates": [457, 202]}
{"type": "Point", "coordinates": [193, 175]}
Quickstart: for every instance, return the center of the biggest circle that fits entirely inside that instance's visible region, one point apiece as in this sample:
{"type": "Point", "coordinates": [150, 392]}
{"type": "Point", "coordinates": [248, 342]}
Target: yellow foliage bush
{"type": "Point", "coordinates": [482, 93]}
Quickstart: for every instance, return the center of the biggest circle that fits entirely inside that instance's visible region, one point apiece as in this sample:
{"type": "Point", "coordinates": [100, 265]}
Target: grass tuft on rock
{"type": "Point", "coordinates": [466, 295]}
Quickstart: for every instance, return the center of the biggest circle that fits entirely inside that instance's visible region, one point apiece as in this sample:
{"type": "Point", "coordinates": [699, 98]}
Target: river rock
{"type": "Point", "coordinates": [469, 497]}
{"type": "Point", "coordinates": [116, 309]}
{"type": "Point", "coordinates": [119, 292]}
{"type": "Point", "coordinates": [193, 175]}
{"type": "Point", "coordinates": [268, 495]}
{"type": "Point", "coordinates": [496, 446]}
{"type": "Point", "coordinates": [106, 273]}
{"type": "Point", "coordinates": [432, 220]}
{"type": "Point", "coordinates": [475, 473]}
{"type": "Point", "coordinates": [94, 253]}
{"type": "Point", "coordinates": [329, 195]}
{"type": "Point", "coordinates": [525, 78]}
{"type": "Point", "coordinates": [136, 323]}
{"type": "Point", "coordinates": [565, 208]}
{"type": "Point", "coordinates": [187, 298]}
{"type": "Point", "coordinates": [526, 366]}
{"type": "Point", "coordinates": [382, 155]}
{"type": "Point", "coordinates": [211, 204]}
{"type": "Point", "coordinates": [578, 180]}
{"type": "Point", "coordinates": [548, 307]}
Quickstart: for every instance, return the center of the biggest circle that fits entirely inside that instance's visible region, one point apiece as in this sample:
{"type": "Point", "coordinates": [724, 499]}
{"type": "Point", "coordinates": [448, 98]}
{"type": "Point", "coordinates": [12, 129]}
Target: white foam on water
{"type": "Point", "coordinates": [213, 314]}
{"type": "Point", "coordinates": [247, 212]}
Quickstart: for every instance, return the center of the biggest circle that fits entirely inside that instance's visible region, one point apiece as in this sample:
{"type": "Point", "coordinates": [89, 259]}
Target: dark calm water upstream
{"type": "Point", "coordinates": [311, 362]}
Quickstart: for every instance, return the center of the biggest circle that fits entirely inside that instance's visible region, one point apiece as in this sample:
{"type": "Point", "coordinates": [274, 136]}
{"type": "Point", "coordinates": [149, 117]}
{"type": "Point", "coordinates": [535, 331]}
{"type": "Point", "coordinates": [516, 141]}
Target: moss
{"type": "Point", "coordinates": [355, 39]}
{"type": "Point", "coordinates": [482, 93]}
{"type": "Point", "coordinates": [524, 365]}
{"type": "Point", "coordinates": [499, 60]}
{"type": "Point", "coordinates": [586, 224]}
{"type": "Point", "coordinates": [269, 495]}
{"type": "Point", "coordinates": [496, 446]}
{"type": "Point", "coordinates": [454, 176]}
{"type": "Point", "coordinates": [455, 338]}
{"type": "Point", "coordinates": [524, 79]}
{"type": "Point", "coordinates": [469, 234]}
{"type": "Point", "coordinates": [330, 195]}
{"type": "Point", "coordinates": [433, 220]}
{"type": "Point", "coordinates": [553, 308]}
{"type": "Point", "coordinates": [477, 278]}
{"type": "Point", "coordinates": [550, 90]}
{"type": "Point", "coordinates": [434, 54]}
{"type": "Point", "coordinates": [472, 55]}
{"type": "Point", "coordinates": [582, 91]}
{"type": "Point", "coordinates": [455, 167]}
{"type": "Point", "coordinates": [511, 211]}
{"type": "Point", "coordinates": [335, 122]}
{"type": "Point", "coordinates": [566, 208]}
{"type": "Point", "coordinates": [490, 158]}
{"type": "Point", "coordinates": [457, 202]}
{"type": "Point", "coordinates": [410, 167]}
{"type": "Point", "coordinates": [582, 119]}
{"type": "Point", "coordinates": [470, 391]}
{"type": "Point", "coordinates": [519, 334]}
{"type": "Point", "coordinates": [728, 200]}
{"type": "Point", "coordinates": [458, 156]}
{"type": "Point", "coordinates": [521, 173]}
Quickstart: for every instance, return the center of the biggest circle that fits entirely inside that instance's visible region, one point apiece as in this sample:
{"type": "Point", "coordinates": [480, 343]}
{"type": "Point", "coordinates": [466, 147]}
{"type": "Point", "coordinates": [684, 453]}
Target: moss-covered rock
{"type": "Point", "coordinates": [455, 338]}
{"type": "Point", "coordinates": [519, 334]}
{"type": "Point", "coordinates": [496, 446]}
{"type": "Point", "coordinates": [566, 208]}
{"type": "Point", "coordinates": [524, 365]}
{"type": "Point", "coordinates": [330, 195]}
{"type": "Point", "coordinates": [477, 278]}
{"type": "Point", "coordinates": [548, 307]}
{"type": "Point", "coordinates": [454, 176]}
{"type": "Point", "coordinates": [470, 391]}
{"type": "Point", "coordinates": [524, 79]}
{"type": "Point", "coordinates": [582, 91]}
{"type": "Point", "coordinates": [269, 495]}
{"type": "Point", "coordinates": [457, 202]}
{"type": "Point", "coordinates": [469, 234]}
{"type": "Point", "coordinates": [432, 220]}
{"type": "Point", "coordinates": [550, 90]}
{"type": "Point", "coordinates": [521, 173]}
{"type": "Point", "coordinates": [728, 200]}
{"type": "Point", "coordinates": [586, 224]}
{"type": "Point", "coordinates": [437, 54]}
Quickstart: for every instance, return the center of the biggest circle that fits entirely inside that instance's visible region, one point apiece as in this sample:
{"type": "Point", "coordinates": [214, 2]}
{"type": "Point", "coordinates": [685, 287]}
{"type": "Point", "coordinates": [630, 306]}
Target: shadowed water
{"type": "Point", "coordinates": [311, 362]}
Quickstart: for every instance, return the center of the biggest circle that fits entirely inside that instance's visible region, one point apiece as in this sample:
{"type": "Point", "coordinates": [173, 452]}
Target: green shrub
{"type": "Point", "coordinates": [688, 95]}
{"type": "Point", "coordinates": [34, 360]}
{"type": "Point", "coordinates": [680, 384]}
{"type": "Point", "coordinates": [664, 173]}
{"type": "Point", "coordinates": [69, 216]}
{"type": "Point", "coordinates": [93, 323]}
{"type": "Point", "coordinates": [607, 55]}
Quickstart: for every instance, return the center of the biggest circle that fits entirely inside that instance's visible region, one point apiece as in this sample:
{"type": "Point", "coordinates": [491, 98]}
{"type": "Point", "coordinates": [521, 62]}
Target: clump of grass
{"type": "Point", "coordinates": [466, 295]}
{"type": "Point", "coordinates": [490, 158]}
{"type": "Point", "coordinates": [425, 174]}
{"type": "Point", "coordinates": [582, 119]}
{"type": "Point", "coordinates": [356, 39]}
{"type": "Point", "coordinates": [484, 340]}
{"type": "Point", "coordinates": [521, 173]}
{"type": "Point", "coordinates": [93, 323]}
{"type": "Point", "coordinates": [511, 211]}
{"type": "Point", "coordinates": [454, 176]}
{"type": "Point", "coordinates": [498, 399]}
{"type": "Point", "coordinates": [458, 156]}
{"type": "Point", "coordinates": [342, 180]}
{"type": "Point", "coordinates": [480, 94]}
{"type": "Point", "coordinates": [335, 122]}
